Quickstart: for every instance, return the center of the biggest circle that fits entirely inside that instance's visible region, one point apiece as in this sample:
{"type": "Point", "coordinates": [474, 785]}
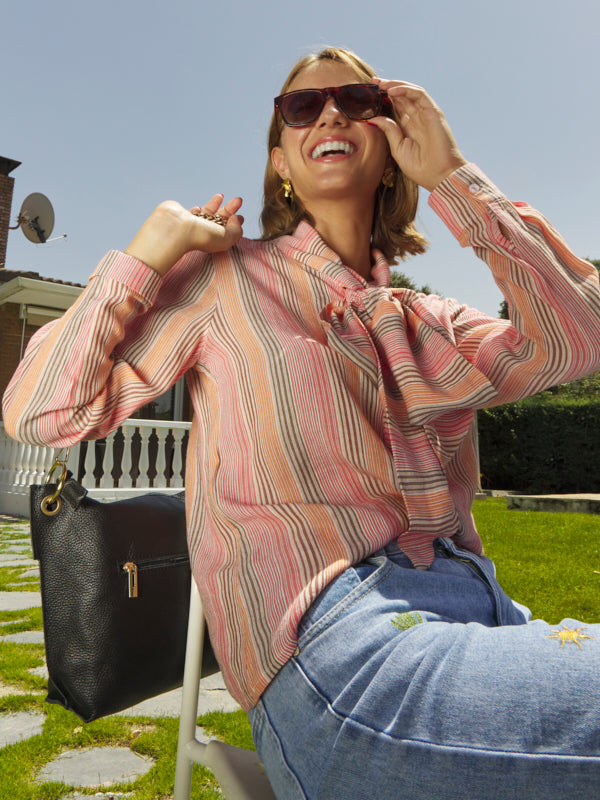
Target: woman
{"type": "Point", "coordinates": [331, 465]}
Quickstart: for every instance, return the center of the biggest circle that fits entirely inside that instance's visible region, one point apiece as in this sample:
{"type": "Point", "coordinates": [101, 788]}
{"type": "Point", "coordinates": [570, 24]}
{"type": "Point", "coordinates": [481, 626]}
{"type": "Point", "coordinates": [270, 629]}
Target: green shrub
{"type": "Point", "coordinates": [544, 445]}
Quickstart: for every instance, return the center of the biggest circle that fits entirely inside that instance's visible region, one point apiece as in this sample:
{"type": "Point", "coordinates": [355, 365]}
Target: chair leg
{"type": "Point", "coordinates": [239, 772]}
{"type": "Point", "coordinates": [189, 700]}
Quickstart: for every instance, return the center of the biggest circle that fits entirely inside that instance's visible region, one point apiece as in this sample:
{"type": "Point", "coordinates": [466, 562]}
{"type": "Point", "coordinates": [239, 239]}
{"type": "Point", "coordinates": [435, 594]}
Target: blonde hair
{"type": "Point", "coordinates": [393, 230]}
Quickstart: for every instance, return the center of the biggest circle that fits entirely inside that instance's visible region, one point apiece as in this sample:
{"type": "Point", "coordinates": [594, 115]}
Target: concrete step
{"type": "Point", "coordinates": [574, 503]}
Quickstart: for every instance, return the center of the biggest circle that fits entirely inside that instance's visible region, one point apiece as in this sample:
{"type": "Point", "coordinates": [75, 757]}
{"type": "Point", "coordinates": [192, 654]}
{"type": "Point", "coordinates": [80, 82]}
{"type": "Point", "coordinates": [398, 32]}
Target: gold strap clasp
{"type": "Point", "coordinates": [52, 503]}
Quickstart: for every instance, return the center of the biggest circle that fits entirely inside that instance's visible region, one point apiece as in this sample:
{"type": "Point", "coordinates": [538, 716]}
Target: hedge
{"type": "Point", "coordinates": [543, 445]}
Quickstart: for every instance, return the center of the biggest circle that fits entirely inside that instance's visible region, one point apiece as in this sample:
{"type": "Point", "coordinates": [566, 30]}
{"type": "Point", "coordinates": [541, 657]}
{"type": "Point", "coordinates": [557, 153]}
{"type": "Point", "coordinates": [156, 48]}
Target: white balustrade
{"type": "Point", "coordinates": [22, 465]}
{"type": "Point", "coordinates": [178, 454]}
{"type": "Point", "coordinates": [161, 458]}
{"type": "Point", "coordinates": [140, 456]}
{"type": "Point", "coordinates": [106, 480]}
{"type": "Point", "coordinates": [127, 462]}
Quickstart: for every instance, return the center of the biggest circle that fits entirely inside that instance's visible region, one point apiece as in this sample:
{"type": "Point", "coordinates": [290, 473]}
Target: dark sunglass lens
{"type": "Point", "coordinates": [387, 109]}
{"type": "Point", "coordinates": [301, 108]}
{"type": "Point", "coordinates": [359, 102]}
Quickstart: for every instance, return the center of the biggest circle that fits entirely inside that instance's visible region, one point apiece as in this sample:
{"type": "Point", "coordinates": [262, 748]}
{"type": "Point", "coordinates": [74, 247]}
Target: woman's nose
{"type": "Point", "coordinates": [331, 113]}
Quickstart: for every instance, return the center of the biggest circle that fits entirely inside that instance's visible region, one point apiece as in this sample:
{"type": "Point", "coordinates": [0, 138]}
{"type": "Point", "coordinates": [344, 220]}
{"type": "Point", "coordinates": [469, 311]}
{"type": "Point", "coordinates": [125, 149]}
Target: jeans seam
{"type": "Point", "coordinates": [265, 719]}
{"type": "Point", "coordinates": [326, 621]}
{"type": "Point", "coordinates": [425, 742]}
{"type": "Point", "coordinates": [478, 571]}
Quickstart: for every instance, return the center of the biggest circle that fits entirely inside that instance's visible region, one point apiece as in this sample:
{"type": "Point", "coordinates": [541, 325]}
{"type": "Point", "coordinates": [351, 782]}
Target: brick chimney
{"type": "Point", "coordinates": [6, 192]}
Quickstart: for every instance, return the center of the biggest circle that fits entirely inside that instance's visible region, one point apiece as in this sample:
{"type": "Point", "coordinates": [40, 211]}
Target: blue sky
{"type": "Point", "coordinates": [112, 107]}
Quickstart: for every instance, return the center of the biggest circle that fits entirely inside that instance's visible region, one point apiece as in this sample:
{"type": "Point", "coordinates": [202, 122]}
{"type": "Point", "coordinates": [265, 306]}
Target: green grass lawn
{"type": "Point", "coordinates": [20, 690]}
{"type": "Point", "coordinates": [550, 562]}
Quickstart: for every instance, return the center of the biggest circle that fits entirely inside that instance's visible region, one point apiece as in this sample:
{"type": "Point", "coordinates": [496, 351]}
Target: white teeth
{"type": "Point", "coordinates": [332, 147]}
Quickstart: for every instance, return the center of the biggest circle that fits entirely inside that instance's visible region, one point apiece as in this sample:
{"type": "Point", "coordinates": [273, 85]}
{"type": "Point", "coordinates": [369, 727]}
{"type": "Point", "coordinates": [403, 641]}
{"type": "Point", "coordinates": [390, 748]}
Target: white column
{"type": "Point", "coordinates": [126, 481]}
{"type": "Point", "coordinates": [160, 481]}
{"type": "Point", "coordinates": [145, 431]}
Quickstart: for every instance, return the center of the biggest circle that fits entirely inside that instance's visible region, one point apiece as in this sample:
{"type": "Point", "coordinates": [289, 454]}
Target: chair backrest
{"type": "Point", "coordinates": [239, 772]}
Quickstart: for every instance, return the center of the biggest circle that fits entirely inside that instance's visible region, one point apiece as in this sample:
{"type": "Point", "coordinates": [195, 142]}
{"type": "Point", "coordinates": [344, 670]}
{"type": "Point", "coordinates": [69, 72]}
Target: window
{"type": "Point", "coordinates": [168, 406]}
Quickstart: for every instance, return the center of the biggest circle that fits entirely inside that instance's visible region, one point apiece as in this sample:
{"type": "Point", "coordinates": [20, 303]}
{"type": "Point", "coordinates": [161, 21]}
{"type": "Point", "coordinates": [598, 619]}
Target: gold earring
{"type": "Point", "coordinates": [288, 192]}
{"type": "Point", "coordinates": [388, 178]}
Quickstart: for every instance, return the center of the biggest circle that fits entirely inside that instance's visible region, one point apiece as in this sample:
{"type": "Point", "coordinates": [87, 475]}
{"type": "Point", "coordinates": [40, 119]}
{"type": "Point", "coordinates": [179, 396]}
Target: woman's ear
{"type": "Point", "coordinates": [279, 162]}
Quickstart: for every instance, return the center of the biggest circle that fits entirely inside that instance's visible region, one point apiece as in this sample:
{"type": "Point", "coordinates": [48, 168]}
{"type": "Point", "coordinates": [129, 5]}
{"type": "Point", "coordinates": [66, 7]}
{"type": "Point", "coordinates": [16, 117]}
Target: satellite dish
{"type": "Point", "coordinates": [36, 218]}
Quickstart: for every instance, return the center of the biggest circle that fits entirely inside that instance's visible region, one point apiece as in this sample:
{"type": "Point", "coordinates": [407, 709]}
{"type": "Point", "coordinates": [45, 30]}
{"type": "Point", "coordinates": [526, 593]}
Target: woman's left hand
{"type": "Point", "coordinates": [422, 144]}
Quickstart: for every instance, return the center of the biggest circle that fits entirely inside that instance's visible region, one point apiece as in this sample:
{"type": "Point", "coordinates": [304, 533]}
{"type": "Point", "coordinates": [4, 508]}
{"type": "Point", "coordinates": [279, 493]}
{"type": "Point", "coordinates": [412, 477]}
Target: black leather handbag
{"type": "Point", "coordinates": [115, 585]}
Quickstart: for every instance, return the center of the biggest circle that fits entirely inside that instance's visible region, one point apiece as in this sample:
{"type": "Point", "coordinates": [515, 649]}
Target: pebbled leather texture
{"type": "Point", "coordinates": [106, 651]}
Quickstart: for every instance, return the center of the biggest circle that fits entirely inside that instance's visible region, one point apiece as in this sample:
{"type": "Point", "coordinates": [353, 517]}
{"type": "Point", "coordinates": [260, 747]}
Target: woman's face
{"type": "Point", "coordinates": [308, 156]}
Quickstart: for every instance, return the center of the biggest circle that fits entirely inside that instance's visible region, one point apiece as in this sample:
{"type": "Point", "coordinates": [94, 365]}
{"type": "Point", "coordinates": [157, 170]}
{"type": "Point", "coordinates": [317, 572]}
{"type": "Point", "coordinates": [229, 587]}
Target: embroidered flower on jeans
{"type": "Point", "coordinates": [407, 620]}
{"type": "Point", "coordinates": [569, 635]}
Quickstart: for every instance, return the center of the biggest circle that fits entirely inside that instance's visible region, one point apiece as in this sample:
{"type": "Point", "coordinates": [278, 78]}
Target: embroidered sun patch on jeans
{"type": "Point", "coordinates": [407, 620]}
{"type": "Point", "coordinates": [569, 636]}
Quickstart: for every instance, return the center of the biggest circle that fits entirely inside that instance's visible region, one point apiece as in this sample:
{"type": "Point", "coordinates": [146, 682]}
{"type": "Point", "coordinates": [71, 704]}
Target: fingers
{"type": "Point", "coordinates": [229, 212]}
{"type": "Point", "coordinates": [214, 205]}
{"type": "Point", "coordinates": [392, 131]}
{"type": "Point", "coordinates": [420, 139]}
{"type": "Point", "coordinates": [412, 104]}
{"type": "Point", "coordinates": [222, 214]}
{"type": "Point", "coordinates": [222, 221]}
{"type": "Point", "coordinates": [406, 94]}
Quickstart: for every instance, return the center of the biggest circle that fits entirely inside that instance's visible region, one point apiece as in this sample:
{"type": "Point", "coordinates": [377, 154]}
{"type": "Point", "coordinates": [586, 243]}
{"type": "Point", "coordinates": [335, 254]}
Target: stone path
{"type": "Point", "coordinates": [96, 766]}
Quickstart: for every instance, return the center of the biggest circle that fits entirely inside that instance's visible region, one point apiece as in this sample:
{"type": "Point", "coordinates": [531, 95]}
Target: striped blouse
{"type": "Point", "coordinates": [331, 415]}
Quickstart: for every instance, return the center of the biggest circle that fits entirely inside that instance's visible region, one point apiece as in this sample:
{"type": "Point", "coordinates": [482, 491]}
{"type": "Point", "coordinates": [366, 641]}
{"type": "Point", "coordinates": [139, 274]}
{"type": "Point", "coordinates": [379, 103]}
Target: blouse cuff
{"type": "Point", "coordinates": [129, 271]}
{"type": "Point", "coordinates": [465, 198]}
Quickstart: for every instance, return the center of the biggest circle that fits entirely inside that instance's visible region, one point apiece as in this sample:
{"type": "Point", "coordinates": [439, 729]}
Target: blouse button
{"type": "Point", "coordinates": [474, 188]}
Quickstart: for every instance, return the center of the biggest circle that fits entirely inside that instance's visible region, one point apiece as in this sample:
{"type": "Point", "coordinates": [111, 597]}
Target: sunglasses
{"type": "Point", "coordinates": [357, 101]}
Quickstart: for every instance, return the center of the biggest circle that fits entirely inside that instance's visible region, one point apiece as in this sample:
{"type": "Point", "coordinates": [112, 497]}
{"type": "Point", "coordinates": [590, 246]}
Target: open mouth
{"type": "Point", "coordinates": [336, 148]}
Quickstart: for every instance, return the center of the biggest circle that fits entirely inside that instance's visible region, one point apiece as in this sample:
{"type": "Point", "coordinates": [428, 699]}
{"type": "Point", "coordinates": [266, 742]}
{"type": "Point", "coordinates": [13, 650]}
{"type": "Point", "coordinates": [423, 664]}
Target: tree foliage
{"type": "Point", "coordinates": [542, 445]}
{"type": "Point", "coordinates": [588, 386]}
{"type": "Point", "coordinates": [503, 310]}
{"type": "Point", "coordinates": [400, 280]}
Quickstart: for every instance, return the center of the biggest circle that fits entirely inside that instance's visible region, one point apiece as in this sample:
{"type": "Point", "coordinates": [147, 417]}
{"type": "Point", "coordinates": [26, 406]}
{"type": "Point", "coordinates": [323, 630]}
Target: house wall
{"type": "Point", "coordinates": [11, 332]}
{"type": "Point", "coordinates": [6, 193]}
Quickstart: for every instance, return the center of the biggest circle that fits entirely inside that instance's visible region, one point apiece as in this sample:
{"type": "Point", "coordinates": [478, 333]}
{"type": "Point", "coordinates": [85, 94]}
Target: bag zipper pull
{"type": "Point", "coordinates": [132, 575]}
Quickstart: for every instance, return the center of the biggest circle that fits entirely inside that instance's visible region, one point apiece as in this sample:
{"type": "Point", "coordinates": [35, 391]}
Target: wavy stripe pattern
{"type": "Point", "coordinates": [331, 415]}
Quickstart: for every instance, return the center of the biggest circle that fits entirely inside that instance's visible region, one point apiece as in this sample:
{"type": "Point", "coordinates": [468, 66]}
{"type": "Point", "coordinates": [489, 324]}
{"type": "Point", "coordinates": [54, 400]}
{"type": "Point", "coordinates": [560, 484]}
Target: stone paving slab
{"type": "Point", "coordinates": [108, 795]}
{"type": "Point", "coordinates": [213, 696]}
{"type": "Point", "coordinates": [19, 601]}
{"type": "Point", "coordinates": [24, 637]}
{"type": "Point", "coordinates": [7, 690]}
{"type": "Point", "coordinates": [7, 556]}
{"type": "Point", "coordinates": [24, 562]}
{"type": "Point", "coordinates": [40, 672]}
{"type": "Point", "coordinates": [20, 725]}
{"type": "Point", "coordinates": [31, 573]}
{"type": "Point", "coordinates": [97, 766]}
{"type": "Point", "coordinates": [15, 546]}
{"type": "Point", "coordinates": [22, 584]}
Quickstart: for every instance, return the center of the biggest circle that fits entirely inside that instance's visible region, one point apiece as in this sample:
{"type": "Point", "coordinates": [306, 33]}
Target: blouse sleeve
{"type": "Point", "coordinates": [129, 337]}
{"type": "Point", "coordinates": [553, 335]}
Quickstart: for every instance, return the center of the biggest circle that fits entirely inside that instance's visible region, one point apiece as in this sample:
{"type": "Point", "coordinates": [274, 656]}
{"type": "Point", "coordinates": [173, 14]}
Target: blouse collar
{"type": "Point", "coordinates": [307, 246]}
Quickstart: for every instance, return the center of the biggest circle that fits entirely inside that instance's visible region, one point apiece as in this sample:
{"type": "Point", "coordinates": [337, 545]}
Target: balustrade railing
{"type": "Point", "coordinates": [139, 456]}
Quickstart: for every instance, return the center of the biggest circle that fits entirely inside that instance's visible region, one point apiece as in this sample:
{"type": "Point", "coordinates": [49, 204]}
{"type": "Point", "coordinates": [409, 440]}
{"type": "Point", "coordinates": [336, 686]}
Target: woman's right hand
{"type": "Point", "coordinates": [422, 143]}
{"type": "Point", "coordinates": [171, 231]}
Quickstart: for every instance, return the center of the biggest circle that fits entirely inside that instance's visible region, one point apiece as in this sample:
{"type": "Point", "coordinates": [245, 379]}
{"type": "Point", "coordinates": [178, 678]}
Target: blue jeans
{"type": "Point", "coordinates": [432, 685]}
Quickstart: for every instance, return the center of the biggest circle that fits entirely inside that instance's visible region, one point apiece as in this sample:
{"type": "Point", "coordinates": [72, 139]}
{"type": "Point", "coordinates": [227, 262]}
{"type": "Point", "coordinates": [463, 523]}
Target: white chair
{"type": "Point", "coordinates": [239, 772]}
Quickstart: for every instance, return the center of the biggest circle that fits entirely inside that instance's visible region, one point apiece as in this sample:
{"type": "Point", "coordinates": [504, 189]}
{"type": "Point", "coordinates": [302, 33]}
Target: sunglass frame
{"type": "Point", "coordinates": [383, 103]}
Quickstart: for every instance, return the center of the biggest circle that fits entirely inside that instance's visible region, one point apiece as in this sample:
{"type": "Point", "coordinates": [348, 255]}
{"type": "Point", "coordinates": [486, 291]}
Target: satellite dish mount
{"type": "Point", "coordinates": [36, 218]}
